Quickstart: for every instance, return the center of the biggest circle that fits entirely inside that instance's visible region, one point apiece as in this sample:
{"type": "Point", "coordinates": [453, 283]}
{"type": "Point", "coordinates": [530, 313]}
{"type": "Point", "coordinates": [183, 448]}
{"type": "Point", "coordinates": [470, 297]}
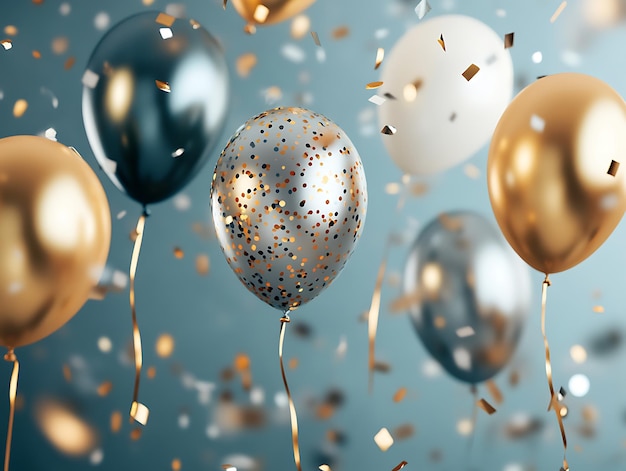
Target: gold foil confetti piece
{"type": "Point", "coordinates": [494, 391]}
{"type": "Point", "coordinates": [10, 30]}
{"type": "Point", "coordinates": [69, 63]}
{"type": "Point", "coordinates": [470, 72]}
{"type": "Point", "coordinates": [402, 464]}
{"type": "Point", "coordinates": [151, 372]}
{"type": "Point", "coordinates": [105, 388]}
{"type": "Point", "coordinates": [139, 413]}
{"type": "Point", "coordinates": [60, 45]}
{"type": "Point", "coordinates": [300, 26]}
{"type": "Point", "coordinates": [163, 86]}
{"type": "Point", "coordinates": [388, 129]}
{"type": "Point", "coordinates": [404, 431]}
{"type": "Point", "coordinates": [377, 100]}
{"type": "Point", "coordinates": [242, 366]}
{"type": "Point", "coordinates": [176, 464]}
{"type": "Point", "coordinates": [578, 354]}
{"type": "Point", "coordinates": [316, 39]}
{"type": "Point", "coordinates": [373, 85]}
{"type": "Point", "coordinates": [249, 29]}
{"type": "Point", "coordinates": [116, 421]}
{"type": "Point", "coordinates": [67, 373]}
{"type": "Point", "coordinates": [324, 467]}
{"type": "Point", "coordinates": [90, 79]}
{"type": "Point", "coordinates": [19, 108]}
{"type": "Point", "coordinates": [409, 91]}
{"type": "Point", "coordinates": [405, 302]}
{"type": "Point", "coordinates": [392, 188]}
{"type": "Point", "coordinates": [293, 363]}
{"type": "Point", "coordinates": [484, 405]}
{"type": "Point", "coordinates": [226, 466]}
{"type": "Point", "coordinates": [10, 357]}
{"type": "Point", "coordinates": [509, 39]}
{"type": "Point", "coordinates": [340, 32]}
{"type": "Point", "coordinates": [471, 171]}
{"type": "Point", "coordinates": [598, 309]}
{"type": "Point", "coordinates": [558, 12]}
{"type": "Point", "coordinates": [224, 3]}
{"type": "Point", "coordinates": [36, 54]}
{"type": "Point", "coordinates": [589, 413]}
{"type": "Point", "coordinates": [613, 168]}
{"type": "Point", "coordinates": [245, 63]}
{"type": "Point", "coordinates": [514, 378]}
{"type": "Point", "coordinates": [6, 44]}
{"type": "Point", "coordinates": [383, 439]}
{"type": "Point", "coordinates": [195, 24]}
{"type": "Point", "coordinates": [165, 19]}
{"type": "Point", "coordinates": [178, 253]}
{"type": "Point", "coordinates": [450, 223]}
{"type": "Point", "coordinates": [380, 56]}
{"type": "Point", "coordinates": [165, 346]}
{"type": "Point", "coordinates": [166, 33]}
{"type": "Point", "coordinates": [292, 408]}
{"type": "Point", "coordinates": [324, 411]}
{"type": "Point", "coordinates": [466, 331]}
{"type": "Point", "coordinates": [261, 13]}
{"type": "Point", "coordinates": [147, 2]}
{"type": "Point", "coordinates": [203, 264]}
{"type": "Point", "coordinates": [135, 434]}
{"type": "Point", "coordinates": [442, 43]}
{"type": "Point", "coordinates": [422, 8]}
{"type": "Point", "coordinates": [562, 393]}
{"type": "Point", "coordinates": [464, 427]}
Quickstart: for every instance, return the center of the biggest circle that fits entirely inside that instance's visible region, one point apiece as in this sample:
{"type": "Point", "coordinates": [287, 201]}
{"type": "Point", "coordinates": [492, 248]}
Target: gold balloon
{"type": "Point", "coordinates": [268, 12]}
{"type": "Point", "coordinates": [55, 231]}
{"type": "Point", "coordinates": [553, 171]}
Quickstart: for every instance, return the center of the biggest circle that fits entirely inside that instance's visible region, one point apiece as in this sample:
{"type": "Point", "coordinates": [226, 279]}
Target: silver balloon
{"type": "Point", "coordinates": [470, 295]}
{"type": "Point", "coordinates": [288, 200]}
{"type": "Point", "coordinates": [155, 99]}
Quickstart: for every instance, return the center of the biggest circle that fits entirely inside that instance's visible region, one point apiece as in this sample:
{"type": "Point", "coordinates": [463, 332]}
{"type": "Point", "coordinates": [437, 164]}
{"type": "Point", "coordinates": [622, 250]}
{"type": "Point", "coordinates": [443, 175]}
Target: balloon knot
{"type": "Point", "coordinates": [285, 318]}
{"type": "Point", "coordinates": [146, 211]}
{"type": "Point", "coordinates": [10, 355]}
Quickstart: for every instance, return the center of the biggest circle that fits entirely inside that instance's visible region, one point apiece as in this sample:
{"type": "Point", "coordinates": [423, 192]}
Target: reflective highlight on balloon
{"type": "Point", "coordinates": [441, 117]}
{"type": "Point", "coordinates": [288, 201]}
{"type": "Point", "coordinates": [554, 176]}
{"type": "Point", "coordinates": [155, 98]}
{"type": "Point", "coordinates": [471, 292]}
{"type": "Point", "coordinates": [55, 228]}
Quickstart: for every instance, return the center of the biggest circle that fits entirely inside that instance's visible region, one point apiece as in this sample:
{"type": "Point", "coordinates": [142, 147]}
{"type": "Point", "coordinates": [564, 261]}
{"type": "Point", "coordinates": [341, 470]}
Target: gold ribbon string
{"type": "Point", "coordinates": [554, 403]}
{"type": "Point", "coordinates": [10, 356]}
{"type": "Point", "coordinates": [372, 318]}
{"type": "Point", "coordinates": [292, 408]}
{"type": "Point", "coordinates": [138, 411]}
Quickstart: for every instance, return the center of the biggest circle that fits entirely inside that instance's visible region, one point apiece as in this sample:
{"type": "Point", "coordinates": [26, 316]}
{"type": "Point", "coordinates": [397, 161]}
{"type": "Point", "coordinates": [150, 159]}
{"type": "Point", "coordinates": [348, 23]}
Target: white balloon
{"type": "Point", "coordinates": [441, 118]}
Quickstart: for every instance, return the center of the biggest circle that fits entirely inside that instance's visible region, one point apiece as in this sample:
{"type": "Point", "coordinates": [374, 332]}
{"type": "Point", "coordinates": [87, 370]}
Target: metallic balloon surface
{"type": "Point", "coordinates": [55, 231]}
{"type": "Point", "coordinates": [554, 180]}
{"type": "Point", "coordinates": [470, 295]}
{"type": "Point", "coordinates": [288, 200]}
{"type": "Point", "coordinates": [269, 11]}
{"type": "Point", "coordinates": [155, 97]}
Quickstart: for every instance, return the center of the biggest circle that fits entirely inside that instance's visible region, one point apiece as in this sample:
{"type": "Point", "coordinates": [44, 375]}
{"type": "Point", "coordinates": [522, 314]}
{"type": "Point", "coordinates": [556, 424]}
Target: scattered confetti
{"type": "Point", "coordinates": [495, 392]}
{"type": "Point", "coordinates": [324, 467]}
{"type": "Point", "coordinates": [377, 100]}
{"type": "Point", "coordinates": [151, 372]}
{"type": "Point", "coordinates": [466, 331]}
{"type": "Point", "coordinates": [37, 54]}
{"type": "Point", "coordinates": [104, 344]}
{"type": "Point", "coordinates": [578, 354]}
{"type": "Point", "coordinates": [373, 85]}
{"type": "Point", "coordinates": [245, 64]}
{"type": "Point", "coordinates": [340, 32]}
{"type": "Point", "coordinates": [464, 427]}
{"type": "Point", "coordinates": [165, 19]}
{"type": "Point", "coordinates": [470, 72]}
{"type": "Point", "coordinates": [96, 457]}
{"type": "Point", "coordinates": [60, 45]}
{"type": "Point", "coordinates": [203, 264]}
{"type": "Point", "coordinates": [249, 29]}
{"type": "Point", "coordinates": [598, 309]}
{"type": "Point", "coordinates": [176, 464]}
{"type": "Point", "coordinates": [402, 464]}
{"type": "Point", "coordinates": [316, 39]}
{"type": "Point", "coordinates": [6, 44]}
{"type": "Point", "coordinates": [53, 98]}
{"type": "Point", "coordinates": [69, 63]}
{"type": "Point", "coordinates": [472, 171]}
{"type": "Point", "coordinates": [383, 439]}
{"type": "Point", "coordinates": [116, 421]}
{"type": "Point", "coordinates": [422, 8]}
{"type": "Point", "coordinates": [537, 57]}
{"type": "Point", "coordinates": [65, 9]}
{"type": "Point", "coordinates": [10, 30]}
{"type": "Point", "coordinates": [388, 129]}
{"type": "Point", "coordinates": [509, 39]}
{"type": "Point", "coordinates": [409, 92]}
{"type": "Point", "coordinates": [178, 253]}
{"type": "Point", "coordinates": [67, 373]}
{"type": "Point", "coordinates": [261, 13]}
{"type": "Point", "coordinates": [399, 395]}
{"type": "Point", "coordinates": [293, 53]}
{"type": "Point", "coordinates": [613, 168]}
{"type": "Point", "coordinates": [442, 43]}
{"type": "Point", "coordinates": [558, 12]}
{"type": "Point", "coordinates": [101, 21]}
{"type": "Point", "coordinates": [105, 388]}
{"type": "Point", "coordinates": [163, 86]}
{"type": "Point", "coordinates": [166, 33]}
{"type": "Point", "coordinates": [484, 405]}
{"type": "Point", "coordinates": [404, 431]}
{"type": "Point", "coordinates": [300, 26]}
{"type": "Point", "coordinates": [380, 55]}
{"type": "Point", "coordinates": [165, 345]}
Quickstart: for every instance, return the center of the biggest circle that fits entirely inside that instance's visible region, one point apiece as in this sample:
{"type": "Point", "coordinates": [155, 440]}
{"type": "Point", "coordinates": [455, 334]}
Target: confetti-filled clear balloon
{"type": "Point", "coordinates": [289, 200]}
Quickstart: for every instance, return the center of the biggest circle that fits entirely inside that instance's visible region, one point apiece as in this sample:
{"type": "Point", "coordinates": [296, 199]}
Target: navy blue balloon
{"type": "Point", "coordinates": [155, 99]}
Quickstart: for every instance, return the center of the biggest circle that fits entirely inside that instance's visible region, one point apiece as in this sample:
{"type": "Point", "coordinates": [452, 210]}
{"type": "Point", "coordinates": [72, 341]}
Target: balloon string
{"type": "Point", "coordinates": [554, 403]}
{"type": "Point", "coordinates": [10, 356]}
{"type": "Point", "coordinates": [138, 411]}
{"type": "Point", "coordinates": [292, 408]}
{"type": "Point", "coordinates": [470, 444]}
{"type": "Point", "coordinates": [374, 311]}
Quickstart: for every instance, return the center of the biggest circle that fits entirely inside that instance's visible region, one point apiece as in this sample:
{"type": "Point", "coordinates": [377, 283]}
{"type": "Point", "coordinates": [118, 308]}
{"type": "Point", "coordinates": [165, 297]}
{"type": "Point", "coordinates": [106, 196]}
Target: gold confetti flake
{"type": "Point", "coordinates": [388, 129]}
{"type": "Point", "coordinates": [484, 405]}
{"type": "Point", "coordinates": [261, 13]}
{"type": "Point", "coordinates": [242, 362]}
{"type": "Point", "coordinates": [135, 434]}
{"type": "Point", "coordinates": [392, 188]}
{"type": "Point", "coordinates": [494, 390]}
{"type": "Point", "coordinates": [105, 388]}
{"type": "Point", "coordinates": [293, 363]}
{"type": "Point", "coordinates": [404, 431]}
{"type": "Point", "coordinates": [509, 39]}
{"type": "Point", "coordinates": [300, 26]}
{"type": "Point", "coordinates": [383, 439]}
{"type": "Point", "coordinates": [400, 465]}
{"type": "Point", "coordinates": [613, 168]}
{"type": "Point", "coordinates": [116, 421]}
{"type": "Point", "coordinates": [69, 63]}
{"type": "Point", "coordinates": [442, 43]}
{"type": "Point", "coordinates": [178, 253]}
{"type": "Point", "coordinates": [165, 345]}
{"type": "Point", "coordinates": [399, 395]}
{"type": "Point", "coordinates": [176, 464]}
{"type": "Point", "coordinates": [194, 24]}
{"type": "Point", "coordinates": [226, 466]}
{"type": "Point", "coordinates": [224, 4]}
{"type": "Point", "coordinates": [464, 427]}
{"type": "Point", "coordinates": [422, 8]}
{"type": "Point", "coordinates": [147, 2]}
{"type": "Point", "coordinates": [6, 44]}
{"type": "Point", "coordinates": [324, 467]}
{"type": "Point", "coordinates": [67, 373]}
{"type": "Point", "coordinates": [165, 19]}
{"type": "Point", "coordinates": [380, 56]}
{"type": "Point", "coordinates": [373, 85]}
{"type": "Point", "coordinates": [36, 54]}
{"type": "Point", "coordinates": [470, 72]}
{"type": "Point", "coordinates": [377, 100]}
{"type": "Point", "coordinates": [578, 354]}
{"type": "Point", "coordinates": [558, 12]}
{"type": "Point", "coordinates": [163, 86]}
{"type": "Point", "coordinates": [440, 322]}
{"type": "Point", "coordinates": [405, 302]}
{"type": "Point", "coordinates": [60, 45]}
{"type": "Point", "coordinates": [472, 171]}
{"type": "Point", "coordinates": [245, 64]}
{"type": "Point", "coordinates": [249, 29]}
{"type": "Point", "coordinates": [316, 39]}
{"type": "Point", "coordinates": [10, 30]}
{"type": "Point", "coordinates": [340, 32]}
{"type": "Point", "coordinates": [203, 264]}
{"type": "Point", "coordinates": [409, 92]}
{"type": "Point", "coordinates": [598, 309]}
{"type": "Point", "coordinates": [151, 372]}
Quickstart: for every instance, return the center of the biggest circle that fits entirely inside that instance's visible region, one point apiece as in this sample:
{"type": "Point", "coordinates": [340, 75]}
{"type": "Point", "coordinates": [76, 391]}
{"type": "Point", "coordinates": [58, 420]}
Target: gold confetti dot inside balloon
{"type": "Point", "coordinates": [165, 346]}
{"type": "Point", "coordinates": [19, 108]}
{"type": "Point", "coordinates": [116, 421]}
{"type": "Point", "coordinates": [10, 30]}
{"type": "Point", "coordinates": [60, 45]}
{"type": "Point", "coordinates": [176, 464]}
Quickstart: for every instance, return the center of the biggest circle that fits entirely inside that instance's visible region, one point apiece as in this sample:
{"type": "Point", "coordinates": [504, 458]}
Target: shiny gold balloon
{"type": "Point", "coordinates": [554, 176]}
{"type": "Point", "coordinates": [55, 231]}
{"type": "Point", "coordinates": [267, 12]}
